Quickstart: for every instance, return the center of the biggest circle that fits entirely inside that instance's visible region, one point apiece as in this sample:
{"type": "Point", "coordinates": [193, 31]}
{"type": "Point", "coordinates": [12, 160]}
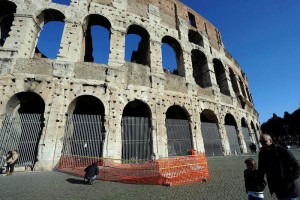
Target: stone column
{"type": "Point", "coordinates": [241, 139]}
{"type": "Point", "coordinates": [211, 80]}
{"type": "Point", "coordinates": [117, 48]}
{"type": "Point", "coordinates": [224, 139]}
{"type": "Point", "coordinates": [71, 42]}
{"type": "Point", "coordinates": [229, 84]}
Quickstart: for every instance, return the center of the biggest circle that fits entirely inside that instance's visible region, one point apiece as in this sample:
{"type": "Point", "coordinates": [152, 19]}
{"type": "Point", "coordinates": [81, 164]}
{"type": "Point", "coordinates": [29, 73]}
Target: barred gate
{"type": "Point", "coordinates": [247, 139]}
{"type": "Point", "coordinates": [82, 139]}
{"type": "Point", "coordinates": [233, 139]}
{"type": "Point", "coordinates": [136, 139]}
{"type": "Point", "coordinates": [21, 132]}
{"type": "Point", "coordinates": [211, 138]}
{"type": "Point", "coordinates": [179, 137]}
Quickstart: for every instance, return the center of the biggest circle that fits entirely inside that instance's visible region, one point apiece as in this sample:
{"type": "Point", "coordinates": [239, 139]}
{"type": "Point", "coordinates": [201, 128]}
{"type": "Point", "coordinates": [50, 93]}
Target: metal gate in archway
{"type": "Point", "coordinates": [21, 132]}
{"type": "Point", "coordinates": [136, 139]}
{"type": "Point", "coordinates": [233, 139]}
{"type": "Point", "coordinates": [179, 137]}
{"type": "Point", "coordinates": [247, 139]}
{"type": "Point", "coordinates": [211, 138]}
{"type": "Point", "coordinates": [83, 140]}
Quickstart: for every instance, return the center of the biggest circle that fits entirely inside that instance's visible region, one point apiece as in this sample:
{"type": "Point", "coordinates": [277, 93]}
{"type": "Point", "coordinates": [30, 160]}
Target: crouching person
{"type": "Point", "coordinates": [91, 173]}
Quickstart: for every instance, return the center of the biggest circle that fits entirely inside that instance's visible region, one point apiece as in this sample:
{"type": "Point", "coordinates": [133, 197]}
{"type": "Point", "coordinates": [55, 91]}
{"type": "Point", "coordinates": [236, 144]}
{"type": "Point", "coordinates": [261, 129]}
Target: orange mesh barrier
{"type": "Point", "coordinates": [169, 171]}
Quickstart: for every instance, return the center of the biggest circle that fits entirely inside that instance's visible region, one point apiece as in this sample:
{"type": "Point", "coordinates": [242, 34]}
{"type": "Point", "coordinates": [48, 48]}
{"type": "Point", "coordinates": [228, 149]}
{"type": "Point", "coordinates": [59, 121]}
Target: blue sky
{"type": "Point", "coordinates": [262, 35]}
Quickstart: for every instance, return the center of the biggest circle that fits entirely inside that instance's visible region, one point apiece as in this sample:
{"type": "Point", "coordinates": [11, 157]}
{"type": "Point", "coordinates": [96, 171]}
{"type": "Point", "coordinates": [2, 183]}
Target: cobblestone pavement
{"type": "Point", "coordinates": [226, 183]}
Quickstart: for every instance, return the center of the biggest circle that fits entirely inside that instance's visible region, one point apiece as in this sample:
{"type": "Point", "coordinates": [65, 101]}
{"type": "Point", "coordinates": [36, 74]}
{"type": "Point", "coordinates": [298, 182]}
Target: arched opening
{"type": "Point", "coordinates": [200, 68]}
{"type": "Point", "coordinates": [195, 37]}
{"type": "Point", "coordinates": [97, 39]}
{"type": "Point", "coordinates": [221, 76]}
{"type": "Point", "coordinates": [178, 132]}
{"type": "Point", "coordinates": [242, 87]}
{"type": "Point", "coordinates": [230, 127]}
{"type": "Point", "coordinates": [63, 2]}
{"type": "Point", "coordinates": [137, 45]}
{"type": "Point", "coordinates": [136, 133]}
{"type": "Point", "coordinates": [52, 23]}
{"type": "Point", "coordinates": [234, 81]}
{"type": "Point", "coordinates": [84, 132]}
{"type": "Point", "coordinates": [246, 133]}
{"type": "Point", "coordinates": [7, 10]}
{"type": "Point", "coordinates": [168, 60]}
{"type": "Point", "coordinates": [210, 133]}
{"type": "Point", "coordinates": [22, 127]}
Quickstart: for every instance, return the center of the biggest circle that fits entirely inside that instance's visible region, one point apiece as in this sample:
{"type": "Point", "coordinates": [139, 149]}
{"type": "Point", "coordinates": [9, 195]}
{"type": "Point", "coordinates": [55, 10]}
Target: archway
{"type": "Point", "coordinates": [210, 133]}
{"type": "Point", "coordinates": [22, 127]}
{"type": "Point", "coordinates": [230, 126]}
{"type": "Point", "coordinates": [136, 132]}
{"type": "Point", "coordinates": [200, 68]}
{"type": "Point", "coordinates": [85, 131]}
{"type": "Point", "coordinates": [221, 76]}
{"type": "Point", "coordinates": [7, 11]}
{"type": "Point", "coordinates": [178, 132]}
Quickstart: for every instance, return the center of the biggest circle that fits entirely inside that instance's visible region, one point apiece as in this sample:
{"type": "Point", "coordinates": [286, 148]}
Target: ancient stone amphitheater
{"type": "Point", "coordinates": [123, 110]}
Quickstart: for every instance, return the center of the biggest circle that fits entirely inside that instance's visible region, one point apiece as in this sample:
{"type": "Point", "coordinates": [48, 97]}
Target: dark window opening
{"type": "Point", "coordinates": [88, 105]}
{"type": "Point", "coordinates": [178, 132]}
{"type": "Point", "coordinates": [7, 10]}
{"type": "Point", "coordinates": [63, 2]}
{"type": "Point", "coordinates": [97, 46]}
{"type": "Point", "coordinates": [229, 120]}
{"type": "Point", "coordinates": [136, 133]}
{"type": "Point", "coordinates": [137, 45]}
{"type": "Point", "coordinates": [172, 62]}
{"type": "Point", "coordinates": [199, 62]}
{"type": "Point", "coordinates": [208, 116]}
{"type": "Point", "coordinates": [196, 38]}
{"type": "Point", "coordinates": [243, 123]}
{"type": "Point", "coordinates": [192, 20]}
{"type": "Point", "coordinates": [136, 109]}
{"type": "Point", "coordinates": [50, 36]}
{"type": "Point", "coordinates": [233, 81]}
{"type": "Point", "coordinates": [221, 76]}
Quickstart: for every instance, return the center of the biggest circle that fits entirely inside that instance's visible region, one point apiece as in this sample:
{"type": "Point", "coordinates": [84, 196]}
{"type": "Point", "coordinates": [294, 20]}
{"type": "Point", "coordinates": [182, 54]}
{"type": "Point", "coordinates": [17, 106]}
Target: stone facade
{"type": "Point", "coordinates": [207, 79]}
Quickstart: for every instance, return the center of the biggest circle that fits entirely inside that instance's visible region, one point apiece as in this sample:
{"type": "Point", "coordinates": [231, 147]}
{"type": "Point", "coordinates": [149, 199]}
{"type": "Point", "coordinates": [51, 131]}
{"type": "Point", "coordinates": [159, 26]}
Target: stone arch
{"type": "Point", "coordinates": [142, 54]}
{"type": "Point", "coordinates": [47, 19]}
{"type": "Point", "coordinates": [200, 67]}
{"type": "Point", "coordinates": [210, 133]}
{"type": "Point", "coordinates": [175, 45]}
{"type": "Point", "coordinates": [23, 125]}
{"type": "Point", "coordinates": [234, 81]}
{"type": "Point", "coordinates": [242, 87]}
{"type": "Point", "coordinates": [220, 74]}
{"type": "Point", "coordinates": [85, 131]}
{"type": "Point", "coordinates": [231, 130]}
{"type": "Point", "coordinates": [137, 145]}
{"type": "Point", "coordinates": [7, 10]}
{"type": "Point", "coordinates": [179, 133]}
{"type": "Point", "coordinates": [92, 22]}
{"type": "Point", "coordinates": [195, 37]}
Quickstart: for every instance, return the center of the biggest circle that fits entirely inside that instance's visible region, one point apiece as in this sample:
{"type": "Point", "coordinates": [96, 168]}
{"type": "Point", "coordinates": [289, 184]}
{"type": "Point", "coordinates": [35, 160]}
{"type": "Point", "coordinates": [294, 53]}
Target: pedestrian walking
{"type": "Point", "coordinates": [91, 173]}
{"type": "Point", "coordinates": [280, 167]}
{"type": "Point", "coordinates": [253, 184]}
{"type": "Point", "coordinates": [11, 159]}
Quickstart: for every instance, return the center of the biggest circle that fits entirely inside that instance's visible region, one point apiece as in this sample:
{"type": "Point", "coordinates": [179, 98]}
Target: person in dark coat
{"type": "Point", "coordinates": [91, 173]}
{"type": "Point", "coordinates": [280, 167]}
{"type": "Point", "coordinates": [253, 184]}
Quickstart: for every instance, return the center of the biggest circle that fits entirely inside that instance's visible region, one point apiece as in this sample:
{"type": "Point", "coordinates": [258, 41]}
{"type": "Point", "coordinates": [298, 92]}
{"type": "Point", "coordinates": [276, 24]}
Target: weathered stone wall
{"type": "Point", "coordinates": [59, 82]}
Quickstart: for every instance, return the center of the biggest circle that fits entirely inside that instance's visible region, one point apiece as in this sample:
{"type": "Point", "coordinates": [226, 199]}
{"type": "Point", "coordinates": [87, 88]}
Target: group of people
{"type": "Point", "coordinates": [279, 166]}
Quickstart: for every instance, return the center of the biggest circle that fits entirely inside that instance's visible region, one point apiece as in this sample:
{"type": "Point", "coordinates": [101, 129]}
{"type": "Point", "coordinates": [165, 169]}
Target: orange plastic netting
{"type": "Point", "coordinates": [169, 171]}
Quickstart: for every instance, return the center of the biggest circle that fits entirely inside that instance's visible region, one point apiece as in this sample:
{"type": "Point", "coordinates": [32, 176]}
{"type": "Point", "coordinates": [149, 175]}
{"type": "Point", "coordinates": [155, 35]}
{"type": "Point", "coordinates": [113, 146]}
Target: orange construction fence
{"type": "Point", "coordinates": [169, 171]}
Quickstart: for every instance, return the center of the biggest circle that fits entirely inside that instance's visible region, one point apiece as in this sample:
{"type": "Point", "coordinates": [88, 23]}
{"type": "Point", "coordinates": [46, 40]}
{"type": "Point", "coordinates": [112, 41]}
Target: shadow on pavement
{"type": "Point", "coordinates": [76, 181]}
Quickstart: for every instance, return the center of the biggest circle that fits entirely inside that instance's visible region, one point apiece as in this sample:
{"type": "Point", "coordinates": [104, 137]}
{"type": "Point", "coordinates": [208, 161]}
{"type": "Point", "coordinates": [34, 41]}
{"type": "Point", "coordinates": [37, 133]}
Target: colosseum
{"type": "Point", "coordinates": [123, 110]}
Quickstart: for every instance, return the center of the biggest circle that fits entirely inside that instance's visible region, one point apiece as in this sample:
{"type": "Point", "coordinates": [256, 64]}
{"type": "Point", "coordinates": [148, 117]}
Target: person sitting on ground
{"type": "Point", "coordinates": [91, 173]}
{"type": "Point", "coordinates": [253, 184]}
{"type": "Point", "coordinates": [11, 159]}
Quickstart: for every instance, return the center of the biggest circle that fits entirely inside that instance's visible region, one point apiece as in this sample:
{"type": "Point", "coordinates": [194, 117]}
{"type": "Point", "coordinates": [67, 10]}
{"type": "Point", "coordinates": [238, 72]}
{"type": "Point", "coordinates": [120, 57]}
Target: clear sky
{"type": "Point", "coordinates": [264, 37]}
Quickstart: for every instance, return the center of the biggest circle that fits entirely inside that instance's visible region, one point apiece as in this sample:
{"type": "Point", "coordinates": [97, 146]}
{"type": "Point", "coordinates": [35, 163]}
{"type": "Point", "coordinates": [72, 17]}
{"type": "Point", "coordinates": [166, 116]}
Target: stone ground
{"type": "Point", "coordinates": [226, 183]}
